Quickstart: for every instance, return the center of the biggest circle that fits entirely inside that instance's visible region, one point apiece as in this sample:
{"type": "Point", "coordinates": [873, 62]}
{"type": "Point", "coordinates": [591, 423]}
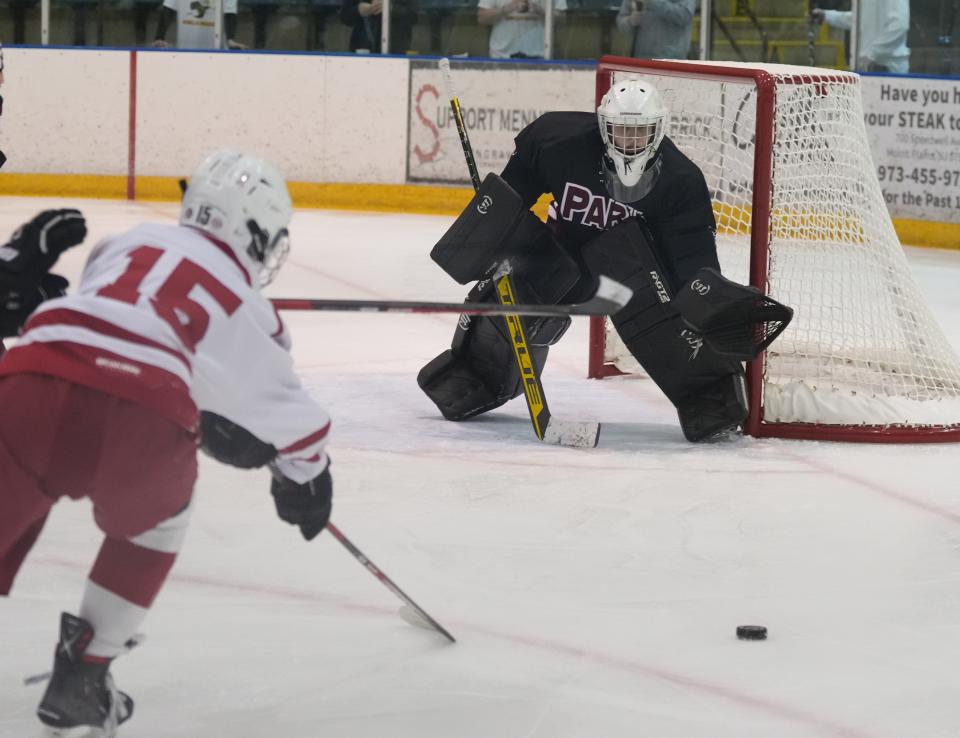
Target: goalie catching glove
{"type": "Point", "coordinates": [736, 320]}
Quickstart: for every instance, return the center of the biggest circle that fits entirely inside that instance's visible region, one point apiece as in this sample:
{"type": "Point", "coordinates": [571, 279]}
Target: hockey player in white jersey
{"type": "Point", "coordinates": [101, 397]}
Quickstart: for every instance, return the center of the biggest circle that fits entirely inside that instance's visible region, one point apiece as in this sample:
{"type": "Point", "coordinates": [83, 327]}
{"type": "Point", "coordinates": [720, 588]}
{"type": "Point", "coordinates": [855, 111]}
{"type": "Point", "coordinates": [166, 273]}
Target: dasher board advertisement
{"type": "Point", "coordinates": [913, 125]}
{"type": "Point", "coordinates": [497, 102]}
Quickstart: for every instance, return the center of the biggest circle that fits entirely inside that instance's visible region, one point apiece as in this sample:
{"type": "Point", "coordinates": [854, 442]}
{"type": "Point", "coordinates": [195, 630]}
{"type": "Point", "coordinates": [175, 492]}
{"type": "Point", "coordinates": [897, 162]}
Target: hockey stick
{"type": "Point", "coordinates": [564, 434]}
{"type": "Point", "coordinates": [416, 614]}
{"type": "Point", "coordinates": [444, 65]}
{"type": "Point", "coordinates": [609, 298]}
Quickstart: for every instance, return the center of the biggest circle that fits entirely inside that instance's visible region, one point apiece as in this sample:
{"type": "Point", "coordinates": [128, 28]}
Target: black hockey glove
{"type": "Point", "coordinates": [36, 246]}
{"type": "Point", "coordinates": [26, 259]}
{"type": "Point", "coordinates": [306, 505]}
{"type": "Point", "coordinates": [232, 444]}
{"type": "Point", "coordinates": [17, 304]}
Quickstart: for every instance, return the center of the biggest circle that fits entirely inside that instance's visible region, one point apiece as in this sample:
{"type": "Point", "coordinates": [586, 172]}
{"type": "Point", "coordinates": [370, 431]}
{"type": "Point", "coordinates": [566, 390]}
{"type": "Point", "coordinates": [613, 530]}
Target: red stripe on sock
{"type": "Point", "coordinates": [132, 572]}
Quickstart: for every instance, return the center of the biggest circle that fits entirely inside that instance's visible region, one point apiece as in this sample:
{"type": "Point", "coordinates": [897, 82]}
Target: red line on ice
{"type": "Point", "coordinates": [760, 704]}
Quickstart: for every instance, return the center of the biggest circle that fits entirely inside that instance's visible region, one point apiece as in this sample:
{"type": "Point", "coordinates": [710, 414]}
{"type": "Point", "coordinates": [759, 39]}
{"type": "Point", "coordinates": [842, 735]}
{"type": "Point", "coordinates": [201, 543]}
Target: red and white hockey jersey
{"type": "Point", "coordinates": [169, 318]}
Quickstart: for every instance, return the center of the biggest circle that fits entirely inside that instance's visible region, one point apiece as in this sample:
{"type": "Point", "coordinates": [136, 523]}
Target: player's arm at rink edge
{"type": "Point", "coordinates": [246, 376]}
{"type": "Point", "coordinates": [305, 505]}
{"type": "Point", "coordinates": [274, 411]}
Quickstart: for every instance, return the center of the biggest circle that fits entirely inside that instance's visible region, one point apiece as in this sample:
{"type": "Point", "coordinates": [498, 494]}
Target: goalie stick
{"type": "Point", "coordinates": [546, 429]}
{"type": "Point", "coordinates": [609, 298]}
{"type": "Point", "coordinates": [411, 611]}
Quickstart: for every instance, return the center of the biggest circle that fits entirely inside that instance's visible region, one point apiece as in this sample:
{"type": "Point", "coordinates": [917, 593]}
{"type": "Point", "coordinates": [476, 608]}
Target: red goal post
{"type": "Point", "coordinates": [801, 216]}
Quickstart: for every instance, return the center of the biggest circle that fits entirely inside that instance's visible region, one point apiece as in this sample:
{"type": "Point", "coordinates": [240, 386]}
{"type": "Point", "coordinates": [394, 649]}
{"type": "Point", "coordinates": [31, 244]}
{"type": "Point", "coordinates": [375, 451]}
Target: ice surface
{"type": "Point", "coordinates": [594, 593]}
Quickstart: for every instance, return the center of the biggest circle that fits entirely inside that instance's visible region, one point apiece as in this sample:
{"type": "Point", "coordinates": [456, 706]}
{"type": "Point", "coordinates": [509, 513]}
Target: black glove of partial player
{"type": "Point", "coordinates": [36, 246]}
{"type": "Point", "coordinates": [16, 306]}
{"type": "Point", "coordinates": [27, 257]}
{"type": "Point", "coordinates": [232, 444]}
{"type": "Point", "coordinates": [306, 505]}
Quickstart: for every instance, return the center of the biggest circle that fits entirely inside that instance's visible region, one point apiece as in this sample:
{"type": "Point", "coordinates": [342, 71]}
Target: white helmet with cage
{"type": "Point", "coordinates": [242, 201]}
{"type": "Point", "coordinates": [632, 122]}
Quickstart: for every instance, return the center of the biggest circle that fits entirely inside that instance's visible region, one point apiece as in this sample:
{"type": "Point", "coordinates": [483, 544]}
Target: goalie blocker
{"type": "Point", "coordinates": [478, 373]}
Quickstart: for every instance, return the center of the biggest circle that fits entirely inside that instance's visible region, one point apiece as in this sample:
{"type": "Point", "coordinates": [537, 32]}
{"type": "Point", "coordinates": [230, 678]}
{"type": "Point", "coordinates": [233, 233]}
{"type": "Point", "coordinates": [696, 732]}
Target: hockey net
{"type": "Point", "coordinates": [800, 215]}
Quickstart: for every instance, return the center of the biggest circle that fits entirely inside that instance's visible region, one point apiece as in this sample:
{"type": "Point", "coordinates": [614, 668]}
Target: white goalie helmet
{"type": "Point", "coordinates": [242, 201]}
{"type": "Point", "coordinates": [632, 122]}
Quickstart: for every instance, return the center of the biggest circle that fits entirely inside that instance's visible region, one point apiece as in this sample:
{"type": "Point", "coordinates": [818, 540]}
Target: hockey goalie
{"type": "Point", "coordinates": [626, 204]}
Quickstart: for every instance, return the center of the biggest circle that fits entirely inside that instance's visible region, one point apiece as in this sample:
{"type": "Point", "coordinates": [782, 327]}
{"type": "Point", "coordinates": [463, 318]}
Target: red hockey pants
{"type": "Point", "coordinates": [58, 438]}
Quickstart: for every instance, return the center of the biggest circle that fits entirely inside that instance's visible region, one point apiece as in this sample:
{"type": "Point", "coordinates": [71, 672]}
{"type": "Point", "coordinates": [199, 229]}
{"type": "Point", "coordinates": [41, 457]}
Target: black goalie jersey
{"type": "Point", "coordinates": [562, 154]}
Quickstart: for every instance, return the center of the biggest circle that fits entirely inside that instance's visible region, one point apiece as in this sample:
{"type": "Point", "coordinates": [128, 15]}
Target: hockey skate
{"type": "Point", "coordinates": [81, 700]}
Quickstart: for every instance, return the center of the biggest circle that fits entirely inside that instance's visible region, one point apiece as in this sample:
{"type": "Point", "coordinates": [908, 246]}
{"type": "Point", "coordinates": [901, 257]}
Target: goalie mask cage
{"type": "Point", "coordinates": [801, 216]}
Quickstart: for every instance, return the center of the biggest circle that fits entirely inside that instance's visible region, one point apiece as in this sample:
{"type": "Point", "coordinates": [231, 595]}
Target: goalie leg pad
{"type": "Point", "coordinates": [479, 372]}
{"type": "Point", "coordinates": [463, 386]}
{"type": "Point", "coordinates": [706, 388]}
{"type": "Point", "coordinates": [672, 353]}
{"type": "Point", "coordinates": [675, 357]}
{"type": "Point", "coordinates": [700, 383]}
{"type": "Point", "coordinates": [456, 388]}
{"type": "Point", "coordinates": [624, 253]}
{"type": "Point", "coordinates": [541, 331]}
{"type": "Point", "coordinates": [714, 409]}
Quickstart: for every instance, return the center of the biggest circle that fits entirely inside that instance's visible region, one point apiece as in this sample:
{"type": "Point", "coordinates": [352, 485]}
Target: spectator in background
{"type": "Point", "coordinates": [365, 20]}
{"type": "Point", "coordinates": [660, 28]}
{"type": "Point", "coordinates": [882, 44]}
{"type": "Point", "coordinates": [517, 26]}
{"type": "Point", "coordinates": [195, 24]}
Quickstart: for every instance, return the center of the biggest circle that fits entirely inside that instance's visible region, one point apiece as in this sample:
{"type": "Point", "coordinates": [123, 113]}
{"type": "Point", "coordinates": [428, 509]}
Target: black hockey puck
{"type": "Point", "coordinates": [751, 633]}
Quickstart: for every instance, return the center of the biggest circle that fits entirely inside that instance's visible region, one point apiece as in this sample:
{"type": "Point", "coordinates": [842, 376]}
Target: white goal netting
{"type": "Point", "coordinates": [863, 348]}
